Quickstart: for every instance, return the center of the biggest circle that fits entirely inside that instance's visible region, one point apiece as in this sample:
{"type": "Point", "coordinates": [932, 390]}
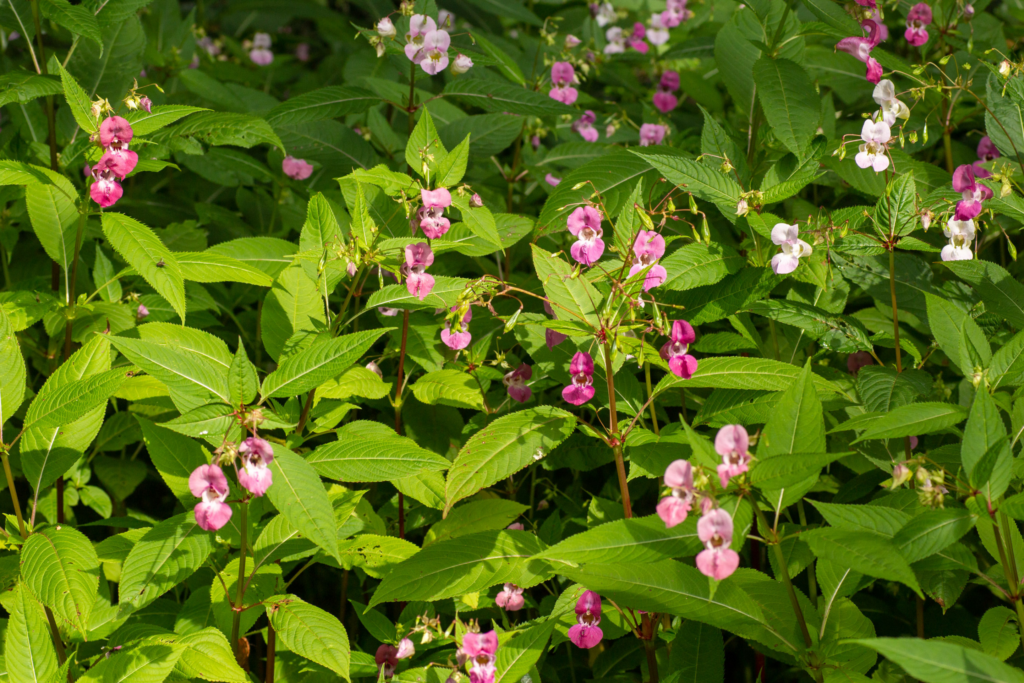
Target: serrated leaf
{"type": "Point", "coordinates": [474, 516]}
{"type": "Point", "coordinates": [144, 251]}
{"type": "Point", "coordinates": [361, 459]}
{"type": "Point", "coordinates": [12, 370]}
{"type": "Point", "coordinates": [517, 655]}
{"type": "Point", "coordinates": [705, 183]}
{"type": "Point", "coordinates": [299, 495]}
{"type": "Point", "coordinates": [311, 367]}
{"type": "Point", "coordinates": [915, 419]}
{"type": "Point", "coordinates": [323, 103]}
{"type": "Point", "coordinates": [159, 116]}
{"type": "Point", "coordinates": [958, 335]}
{"type": "Point", "coordinates": [192, 374]}
{"type": "Point", "coordinates": [572, 299]}
{"type": "Point", "coordinates": [69, 402]}
{"type": "Point", "coordinates": [208, 656]}
{"type": "Point", "coordinates": [449, 388]}
{"type": "Point", "coordinates": [932, 531]}
{"type": "Point", "coordinates": [639, 540]}
{"type": "Point", "coordinates": [151, 660]}
{"type": "Point", "coordinates": [744, 373]}
{"type": "Point", "coordinates": [789, 101]}
{"type": "Point", "coordinates": [27, 646]}
{"type": "Point", "coordinates": [697, 265]}
{"type": "Point", "coordinates": [310, 632]}
{"type": "Point", "coordinates": [935, 661]}
{"type": "Point", "coordinates": [210, 267]}
{"type": "Point", "coordinates": [174, 456]}
{"type": "Point", "coordinates": [496, 96]}
{"type": "Point", "coordinates": [867, 553]}
{"type": "Point", "coordinates": [60, 567]}
{"type": "Point", "coordinates": [78, 101]}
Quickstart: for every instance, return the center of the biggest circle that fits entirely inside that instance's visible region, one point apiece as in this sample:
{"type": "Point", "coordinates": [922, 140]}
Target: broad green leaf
{"type": "Point", "coordinates": [612, 175]}
{"type": "Point", "coordinates": [321, 104]}
{"type": "Point", "coordinates": [376, 555]}
{"type": "Point", "coordinates": [698, 654]}
{"type": "Point", "coordinates": [208, 656]}
{"type": "Point", "coordinates": [896, 211]}
{"type": "Point", "coordinates": [877, 519]}
{"type": "Point", "coordinates": [867, 553]}
{"type": "Point", "coordinates": [55, 219]}
{"type": "Point", "coordinates": [359, 459]}
{"type": "Point", "coordinates": [144, 251]}
{"type": "Point", "coordinates": [883, 389]}
{"type": "Point", "coordinates": [744, 373]}
{"type": "Point", "coordinates": [1002, 294]}
{"type": "Point", "coordinates": [78, 101]}
{"type": "Point", "coordinates": [934, 661]}
{"type": "Point", "coordinates": [324, 359]}
{"type": "Point", "coordinates": [449, 388]}
{"type": "Point", "coordinates": [243, 382]}
{"type": "Point", "coordinates": [69, 402]}
{"type": "Point", "coordinates": [915, 419]}
{"type": "Point", "coordinates": [151, 660]}
{"type": "Point", "coordinates": [147, 122]}
{"type": "Point", "coordinates": [479, 220]}
{"type": "Point", "coordinates": [174, 456]}
{"type": "Point", "coordinates": [292, 306]}
{"type": "Point", "coordinates": [495, 96]}
{"type": "Point", "coordinates": [474, 516]}
{"type": "Point", "coordinates": [423, 143]}
{"type": "Point", "coordinates": [789, 101]}
{"type": "Point", "coordinates": [958, 335]}
{"type": "Point", "coordinates": [269, 254]}
{"type": "Point", "coordinates": [453, 167]}
{"type": "Point", "coordinates": [932, 531]}
{"type": "Point", "coordinates": [60, 567]}
{"type": "Point", "coordinates": [27, 646]}
{"type": "Point", "coordinates": [789, 471]}
{"type": "Point", "coordinates": [228, 128]}
{"type": "Point", "coordinates": [705, 183]}
{"type": "Point", "coordinates": [517, 655]}
{"type": "Point", "coordinates": [310, 632]}
{"type": "Point", "coordinates": [639, 540]}
{"type": "Point", "coordinates": [1007, 366]}
{"type": "Point", "coordinates": [998, 632]}
{"type": "Point", "coordinates": [299, 495]}
{"type": "Point", "coordinates": [504, 447]}
{"type": "Point", "coordinates": [196, 378]}
{"type": "Point", "coordinates": [985, 430]}
{"type": "Point", "coordinates": [696, 265]}
{"type": "Point", "coordinates": [12, 370]}
{"type": "Point", "coordinates": [464, 565]}
{"type": "Point", "coordinates": [355, 381]}
{"type": "Point", "coordinates": [572, 299]}
{"type": "Point", "coordinates": [321, 226]}
{"type": "Point", "coordinates": [444, 294]}
{"type": "Point", "coordinates": [210, 267]}
{"type": "Point", "coordinates": [165, 556]}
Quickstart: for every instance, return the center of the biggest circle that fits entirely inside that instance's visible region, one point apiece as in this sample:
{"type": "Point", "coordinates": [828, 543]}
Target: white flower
{"type": "Point", "coordinates": [792, 248]}
{"type": "Point", "coordinates": [261, 41]}
{"type": "Point", "coordinates": [959, 230]}
{"type": "Point", "coordinates": [954, 253]}
{"type": "Point", "coordinates": [657, 34]}
{"type": "Point", "coordinates": [462, 64]}
{"type": "Point", "coordinates": [616, 41]}
{"type": "Point", "coordinates": [872, 153]}
{"type": "Point", "coordinates": [892, 108]}
{"type": "Point", "coordinates": [605, 14]}
{"type": "Point", "coordinates": [386, 29]}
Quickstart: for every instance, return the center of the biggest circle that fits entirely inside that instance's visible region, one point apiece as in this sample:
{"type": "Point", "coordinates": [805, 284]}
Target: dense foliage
{"type": "Point", "coordinates": [707, 365]}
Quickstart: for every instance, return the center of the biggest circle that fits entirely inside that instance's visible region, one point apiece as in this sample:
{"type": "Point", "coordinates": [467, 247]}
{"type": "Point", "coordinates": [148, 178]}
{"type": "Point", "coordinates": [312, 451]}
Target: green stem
{"type": "Point", "coordinates": [270, 653]}
{"type": "Point", "coordinates": [654, 412]}
{"type": "Point", "coordinates": [398, 411]}
{"type": "Point", "coordinates": [14, 494]}
{"type": "Point", "coordinates": [895, 310]}
{"type": "Point", "coordinates": [613, 416]}
{"type": "Point", "coordinates": [1010, 555]}
{"type": "Point", "coordinates": [50, 118]}
{"type": "Point", "coordinates": [1020, 618]}
{"type": "Point", "coordinates": [236, 618]}
{"type": "Point", "coordinates": [780, 558]}
{"type": "Point", "coordinates": [71, 286]}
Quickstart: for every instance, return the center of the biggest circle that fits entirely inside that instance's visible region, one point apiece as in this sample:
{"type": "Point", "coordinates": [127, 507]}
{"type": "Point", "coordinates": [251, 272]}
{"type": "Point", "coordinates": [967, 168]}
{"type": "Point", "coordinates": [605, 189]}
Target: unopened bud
{"type": "Point", "coordinates": [475, 201]}
{"type": "Point", "coordinates": [1005, 68]}
{"type": "Point", "coordinates": [901, 474]}
{"type": "Point", "coordinates": [926, 219]}
{"type": "Point", "coordinates": [385, 28]}
{"type": "Point", "coordinates": [375, 369]}
{"type": "Point", "coordinates": [742, 208]}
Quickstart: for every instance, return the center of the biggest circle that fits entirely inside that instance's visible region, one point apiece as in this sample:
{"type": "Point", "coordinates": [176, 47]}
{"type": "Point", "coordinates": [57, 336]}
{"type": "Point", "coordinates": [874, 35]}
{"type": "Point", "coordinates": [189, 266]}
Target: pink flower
{"type": "Point", "coordinates": [585, 223]}
{"type": "Point", "coordinates": [913, 442]}
{"type": "Point", "coordinates": [439, 198]}
{"type": "Point", "coordinates": [461, 64]}
{"type": "Point", "coordinates": [208, 483]}
{"type": "Point", "coordinates": [551, 337]}
{"type": "Point", "coordinates": [674, 508]}
{"type": "Point", "coordinates": [918, 19]}
{"type": "Point", "coordinates": [586, 633]}
{"type": "Point", "coordinates": [861, 49]}
{"type": "Point", "coordinates": [636, 39]}
{"type": "Point", "coordinates": [616, 41]}
{"type": "Point", "coordinates": [255, 475]}
{"type": "Point", "coordinates": [385, 28]}
{"type": "Point", "coordinates": [141, 312]}
{"type": "Point", "coordinates": [564, 94]}
{"type": "Point", "coordinates": [731, 443]}
{"type": "Point", "coordinates": [675, 13]}
{"type": "Point", "coordinates": [419, 26]}
{"type": "Point", "coordinates": [296, 169]}
{"type": "Point", "coordinates": [665, 101]}
{"type": "Point", "coordinates": [876, 19]}
{"type": "Point", "coordinates": [562, 73]}
{"type": "Point", "coordinates": [386, 659]}
{"type": "Point", "coordinates": [987, 149]}
{"type": "Point", "coordinates": [146, 104]}
{"type": "Point", "coordinates": [105, 189]}
{"type": "Point", "coordinates": [261, 40]}
{"type": "Point", "coordinates": [858, 360]}
{"type": "Point", "coordinates": [459, 339]}
{"type": "Point", "coordinates": [973, 192]}
{"type": "Point", "coordinates": [515, 382]}
{"type": "Point", "coordinates": [261, 56]}
{"type": "Point", "coordinates": [418, 257]}
{"type": "Point", "coordinates": [516, 526]}
{"type": "Point", "coordinates": [669, 81]}
{"type": "Point", "coordinates": [115, 132]}
{"type": "Point", "coordinates": [552, 180]}
{"type": "Point", "coordinates": [120, 161]}
{"type": "Point", "coordinates": [872, 154]}
{"type": "Point", "coordinates": [480, 648]}
{"type": "Point", "coordinates": [571, 41]}
{"type": "Point", "coordinates": [302, 52]}
{"type": "Point", "coordinates": [433, 57]}
{"type": "Point", "coordinates": [793, 248]}
{"type": "Point", "coordinates": [648, 248]}
{"type": "Point", "coordinates": [675, 350]}
{"type": "Point", "coordinates": [405, 649]}
{"type": "Point", "coordinates": [584, 125]}
{"type": "Point", "coordinates": [510, 598]}
{"type": "Point", "coordinates": [581, 389]}
{"type": "Point", "coordinates": [652, 134]}
{"type": "Point", "coordinates": [658, 33]}
{"type": "Point", "coordinates": [718, 561]}
{"type": "Point", "coordinates": [433, 222]}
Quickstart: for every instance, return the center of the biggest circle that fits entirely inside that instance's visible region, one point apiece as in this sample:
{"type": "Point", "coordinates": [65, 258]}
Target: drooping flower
{"type": "Point", "coordinates": [461, 338]}
{"type": "Point", "coordinates": [105, 189]}
{"type": "Point", "coordinates": [261, 54]}
{"type": "Point", "coordinates": [960, 233]}
{"type": "Point", "coordinates": [987, 150]}
{"type": "Point", "coordinates": [418, 257]}
{"type": "Point", "coordinates": [432, 221]}
{"type": "Point", "coordinates": [717, 561]}
{"type": "Point", "coordinates": [515, 381]}
{"type": "Point", "coordinates": [587, 633]}
{"type": "Point", "coordinates": [146, 104]}
{"type": "Point", "coordinates": [479, 650]}
{"type": "Point", "coordinates": [585, 223]}
{"type": "Point", "coordinates": [872, 154]}
{"type": "Point", "coordinates": [918, 19]}
{"type": "Point", "coordinates": [604, 13]}
{"type": "Point", "coordinates": [552, 180]}
{"type": "Point", "coordinates": [731, 443]}
{"type": "Point", "coordinates": [385, 28]}
{"type": "Point", "coordinates": [141, 312]}
{"type": "Point", "coordinates": [792, 248]}
{"type": "Point", "coordinates": [584, 125]}
{"type": "Point", "coordinates": [563, 75]}
{"type": "Point", "coordinates": [440, 198]}
{"type": "Point", "coordinates": [433, 56]}
{"type": "Point", "coordinates": [461, 64]}
{"type": "Point", "coordinates": [208, 483]}
{"type": "Point", "coordinates": [636, 38]}
{"type": "Point", "coordinates": [860, 48]}
{"type": "Point", "coordinates": [386, 659]}
{"type": "Point", "coordinates": [973, 192]}
{"type": "Point", "coordinates": [652, 134]}
{"type": "Point", "coordinates": [648, 248]}
{"type": "Point", "coordinates": [255, 475]}
{"type": "Point", "coordinates": [406, 649]}
{"type": "Point", "coordinates": [419, 26]}
{"type": "Point", "coordinates": [616, 41]}
{"type": "Point", "coordinates": [581, 389]}
{"type": "Point", "coordinates": [510, 598]}
{"type": "Point", "coordinates": [876, 19]}
{"type": "Point", "coordinates": [516, 526]}
{"type": "Point", "coordinates": [551, 337]}
{"type": "Point", "coordinates": [657, 32]}
{"type": "Point", "coordinates": [296, 169]}
{"type": "Point", "coordinates": [115, 132]}
{"type": "Point", "coordinates": [673, 509]}
{"type": "Point", "coordinates": [675, 350]}
{"type": "Point", "coordinates": [675, 13]}
{"type": "Point", "coordinates": [375, 369]}
{"type": "Point", "coordinates": [858, 360]}
{"type": "Point", "coordinates": [892, 108]}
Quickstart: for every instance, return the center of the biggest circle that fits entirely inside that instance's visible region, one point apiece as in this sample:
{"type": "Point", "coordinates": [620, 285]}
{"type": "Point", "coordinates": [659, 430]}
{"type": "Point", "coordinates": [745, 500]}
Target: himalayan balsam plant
{"type": "Point", "coordinates": [511, 342]}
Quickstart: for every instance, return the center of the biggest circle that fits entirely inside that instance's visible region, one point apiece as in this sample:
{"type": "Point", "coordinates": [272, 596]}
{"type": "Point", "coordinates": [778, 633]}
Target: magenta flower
{"type": "Point", "coordinates": [731, 443]}
{"type": "Point", "coordinates": [973, 192]}
{"type": "Point", "coordinates": [419, 26]}
{"type": "Point", "coordinates": [551, 337]}
{"type": "Point", "coordinates": [675, 350]}
{"type": "Point", "coordinates": [669, 81]}
{"type": "Point", "coordinates": [439, 198]}
{"type": "Point", "coordinates": [564, 94]}
{"type": "Point", "coordinates": [858, 360]}
{"type": "Point", "coordinates": [673, 509]}
{"type": "Point", "coordinates": [115, 132]}
{"type": "Point", "coordinates": [515, 382]}
{"type": "Point", "coordinates": [987, 150]}
{"type": "Point", "coordinates": [479, 650]}
{"type": "Point", "coordinates": [146, 104]}
{"type": "Point", "coordinates": [918, 19]}
{"type": "Point", "coordinates": [675, 13]}
{"type": "Point", "coordinates": [717, 561]}
{"type": "Point", "coordinates": [510, 598]}
{"type": "Point", "coordinates": [432, 221]}
{"type": "Point", "coordinates": [585, 223]}
{"type": "Point", "coordinates": [581, 389]}
{"type": "Point", "coordinates": [296, 169]}
{"type": "Point", "coordinates": [872, 154]}
{"type": "Point", "coordinates": [787, 237]}
{"type": "Point", "coordinates": [208, 483]}
{"type": "Point", "coordinates": [552, 180]}
{"type": "Point", "coordinates": [665, 101]}
{"type": "Point", "coordinates": [652, 134]}
{"type": "Point", "coordinates": [876, 19]}
{"type": "Point", "coordinates": [636, 38]}
{"type": "Point", "coordinates": [418, 257]}
{"type": "Point", "coordinates": [386, 659]}
{"type": "Point", "coordinates": [861, 49]}
{"type": "Point", "coordinates": [120, 161]}
{"type": "Point", "coordinates": [461, 338]}
{"type": "Point", "coordinates": [648, 248]}
{"type": "Point", "coordinates": [255, 475]}
{"type": "Point", "coordinates": [562, 73]}
{"type": "Point", "coordinates": [141, 312]}
{"type": "Point", "coordinates": [105, 189]}
{"type": "Point", "coordinates": [586, 633]}
{"type": "Point", "coordinates": [584, 125]}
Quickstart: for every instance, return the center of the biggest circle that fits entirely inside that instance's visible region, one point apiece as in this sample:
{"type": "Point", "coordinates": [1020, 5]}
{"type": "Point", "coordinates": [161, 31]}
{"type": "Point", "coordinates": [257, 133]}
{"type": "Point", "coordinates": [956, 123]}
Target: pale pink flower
{"type": "Point", "coordinates": [787, 237]}
{"type": "Point", "coordinates": [375, 369]}
{"type": "Point", "coordinates": [675, 350]}
{"type": "Point", "coordinates": [418, 257]}
{"type": "Point", "coordinates": [433, 57]}
{"type": "Point", "coordinates": [892, 108]}
{"type": "Point", "coordinates": [146, 104]}
{"type": "Point", "coordinates": [587, 633]}
{"type": "Point", "coordinates": [858, 360]}
{"type": "Point", "coordinates": [476, 201]}
{"type": "Point", "coordinates": [715, 530]}
{"type": "Point", "coordinates": [261, 56]}
{"type": "Point", "coordinates": [652, 134]}
{"type": "Point", "coordinates": [872, 154]}
{"type": "Point", "coordinates": [571, 41]}
{"type": "Point", "coordinates": [386, 29]}
{"type": "Point", "coordinates": [584, 125]}
{"type": "Point", "coordinates": [460, 338]}
{"type": "Point", "coordinates": [918, 19]}
{"type": "Point", "coordinates": [675, 13]}
{"type": "Point", "coordinates": [439, 198]}
{"type": "Point", "coordinates": [255, 475]}
{"type": "Point", "coordinates": [616, 41]}
{"type": "Point", "coordinates": [141, 312]}
{"type": "Point", "coordinates": [585, 223]}
{"type": "Point", "coordinates": [208, 44]}
{"type": "Point", "coordinates": [581, 389]}
{"type": "Point", "coordinates": [461, 64]}
{"type": "Point", "coordinates": [297, 169]}
{"type": "Point", "coordinates": [405, 649]}
{"type": "Point", "coordinates": [648, 248]}
{"type": "Point", "coordinates": [731, 443]}
{"type": "Point", "coordinates": [208, 483]}
{"type": "Point", "coordinates": [261, 40]}
{"type": "Point", "coordinates": [564, 94]}
{"type": "Point", "coordinates": [510, 598]}
{"type": "Point", "coordinates": [603, 13]}
{"type": "Point", "coordinates": [515, 381]}
{"type": "Point", "coordinates": [901, 474]}
{"type": "Point", "coordinates": [552, 180]}
{"type": "Point", "coordinates": [419, 26]}
{"type": "Point", "coordinates": [562, 73]}
{"type": "Point", "coordinates": [673, 509]}
{"type": "Point", "coordinates": [302, 52]}
{"type": "Point", "coordinates": [516, 526]}
{"type": "Point", "coordinates": [657, 32]}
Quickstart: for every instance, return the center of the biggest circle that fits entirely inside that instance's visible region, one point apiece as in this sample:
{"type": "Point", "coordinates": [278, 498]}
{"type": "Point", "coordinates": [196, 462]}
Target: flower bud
{"type": "Point", "coordinates": [1005, 68]}
{"type": "Point", "coordinates": [926, 219]}
{"type": "Point", "coordinates": [742, 208]}
{"type": "Point", "coordinates": [462, 64]}
{"type": "Point", "coordinates": [475, 201]}
{"type": "Point", "coordinates": [375, 369]}
{"type": "Point", "coordinates": [386, 29]}
{"type": "Point", "coordinates": [968, 11]}
{"type": "Point", "coordinates": [901, 474]}
{"type": "Point", "coordinates": [571, 41]}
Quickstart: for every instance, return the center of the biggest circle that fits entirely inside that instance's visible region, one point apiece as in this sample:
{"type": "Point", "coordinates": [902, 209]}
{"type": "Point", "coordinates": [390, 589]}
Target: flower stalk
{"type": "Point", "coordinates": [236, 617]}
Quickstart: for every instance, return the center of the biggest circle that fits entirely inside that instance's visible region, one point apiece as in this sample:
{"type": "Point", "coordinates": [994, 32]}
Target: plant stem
{"type": "Point", "coordinates": [652, 660]}
{"type": "Point", "coordinates": [654, 413]}
{"type": "Point", "coordinates": [269, 678]}
{"type": "Point", "coordinates": [1003, 560]}
{"type": "Point", "coordinates": [1010, 555]}
{"type": "Point", "coordinates": [398, 411]}
{"type": "Point", "coordinates": [50, 118]}
{"type": "Point", "coordinates": [895, 310]}
{"type": "Point", "coordinates": [305, 411]}
{"type": "Point", "coordinates": [58, 644]}
{"type": "Point", "coordinates": [620, 465]}
{"type": "Point", "coordinates": [920, 617]}
{"type": "Point", "coordinates": [14, 495]}
{"type": "Point", "coordinates": [1020, 617]}
{"type": "Point", "coordinates": [236, 617]}
{"type": "Point", "coordinates": [71, 285]}
{"type": "Point", "coordinates": [780, 559]}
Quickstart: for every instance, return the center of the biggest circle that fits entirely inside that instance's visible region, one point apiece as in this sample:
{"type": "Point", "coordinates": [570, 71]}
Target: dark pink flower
{"type": "Point", "coordinates": [551, 337]}
{"type": "Point", "coordinates": [584, 125]}
{"type": "Point", "coordinates": [510, 598]}
{"type": "Point", "coordinates": [146, 104]}
{"type": "Point", "coordinates": [552, 180]}
{"type": "Point", "coordinates": [987, 150]}
{"type": "Point", "coordinates": [255, 475]}
{"type": "Point", "coordinates": [973, 192]}
{"type": "Point", "coordinates": [461, 338]}
{"type": "Point", "coordinates": [665, 101]}
{"type": "Point", "coordinates": [715, 530]}
{"type": "Point", "coordinates": [208, 483]}
{"type": "Point", "coordinates": [858, 360]}
{"type": "Point", "coordinates": [673, 509]}
{"type": "Point", "coordinates": [652, 134]}
{"type": "Point", "coordinates": [581, 389]}
{"type": "Point", "coordinates": [432, 222]}
{"type": "Point", "coordinates": [918, 19]}
{"type": "Point", "coordinates": [105, 189]}
{"type": "Point", "coordinates": [480, 648]}
{"type": "Point", "coordinates": [675, 350]}
{"type": "Point", "coordinates": [297, 169]}
{"type": "Point", "coordinates": [386, 659]}
{"type": "Point", "coordinates": [669, 81]}
{"type": "Point", "coordinates": [418, 257]}
{"type": "Point", "coordinates": [515, 382]}
{"type": "Point", "coordinates": [731, 443]}
{"type": "Point", "coordinates": [121, 161]}
{"type": "Point", "coordinates": [585, 223]}
{"type": "Point", "coordinates": [115, 131]}
{"type": "Point", "coordinates": [586, 633]}
{"type": "Point", "coordinates": [562, 73]}
{"type": "Point", "coordinates": [648, 248]}
{"type": "Point", "coordinates": [860, 48]}
{"type": "Point", "coordinates": [876, 19]}
{"type": "Point", "coordinates": [636, 39]}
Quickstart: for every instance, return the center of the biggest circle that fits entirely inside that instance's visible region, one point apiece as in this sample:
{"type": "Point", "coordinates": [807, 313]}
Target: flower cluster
{"type": "Point", "coordinates": [431, 214]}
{"type": "Point", "coordinates": [586, 633]}
{"type": "Point", "coordinates": [479, 651]}
{"type": "Point", "coordinates": [563, 76]}
{"type": "Point", "coordinates": [117, 161]}
{"type": "Point", "coordinates": [585, 224]}
{"type": "Point", "coordinates": [619, 39]}
{"type": "Point", "coordinates": [664, 97]}
{"type": "Point", "coordinates": [787, 237]}
{"type": "Point", "coordinates": [208, 483]}
{"type": "Point", "coordinates": [426, 44]}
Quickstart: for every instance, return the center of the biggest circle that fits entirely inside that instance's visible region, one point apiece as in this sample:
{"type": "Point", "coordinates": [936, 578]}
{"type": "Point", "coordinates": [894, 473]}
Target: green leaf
{"type": "Point", "coordinates": [243, 382]}
{"type": "Point", "coordinates": [424, 142]}
{"type": "Point", "coordinates": [165, 556]}
{"type": "Point", "coordinates": [144, 251]}
{"type": "Point", "coordinates": [194, 376]}
{"type": "Point", "coordinates": [474, 516]}
{"type": "Point", "coordinates": [997, 631]}
{"type": "Point", "coordinates": [984, 431]}
{"type": "Point", "coordinates": [27, 646]}
{"type": "Point", "coordinates": [506, 64]}
{"type": "Point", "coordinates": [867, 553]}
{"type": "Point", "coordinates": [54, 217]}
{"type": "Point", "coordinates": [510, 9]}
{"type": "Point", "coordinates": [210, 267]}
{"type": "Point", "coordinates": [24, 86]}
{"type": "Point", "coordinates": [789, 101]}
{"type": "Point", "coordinates": [883, 389]}
{"type": "Point", "coordinates": [934, 661]}
{"type": "Point", "coordinates": [915, 419]}
{"type": "Point", "coordinates": [496, 96]}
{"type": "Point", "coordinates": [698, 654]}
{"type": "Point", "coordinates": [449, 388]}
{"type": "Point", "coordinates": [318, 363]}
{"type": "Point", "coordinates": [446, 291]}
{"type": "Point", "coordinates": [293, 305]}
{"type": "Point", "coordinates": [999, 290]}
{"type": "Point", "coordinates": [705, 183]}
{"type": "Point", "coordinates": [310, 632]}
{"type": "Point", "coordinates": [299, 495]}
{"type": "Point", "coordinates": [504, 447]}
{"type": "Point", "coordinates": [896, 211]}
{"type": "Point", "coordinates": [361, 459]}
{"type": "Point", "coordinates": [148, 122]}
{"type": "Point", "coordinates": [639, 540]}
{"type": "Point", "coordinates": [612, 175]}
{"type": "Point", "coordinates": [323, 103]}
{"type": "Point", "coordinates": [227, 128]}
{"type": "Point", "coordinates": [697, 265]}
{"type": "Point", "coordinates": [71, 401]}
{"type": "Point", "coordinates": [12, 370]}
{"type": "Point", "coordinates": [876, 519]}
{"type": "Point", "coordinates": [518, 655]}
{"type": "Point", "coordinates": [78, 101]}
{"type": "Point", "coordinates": [958, 335]}
{"type": "Point", "coordinates": [174, 456]}
{"type": "Point", "coordinates": [208, 656]}
{"type": "Point", "coordinates": [464, 565]}
{"type": "Point", "coordinates": [735, 372]}
{"type": "Point", "coordinates": [150, 661]}
{"type": "Point", "coordinates": [479, 220]}
{"type": "Point", "coordinates": [1007, 366]}
{"type": "Point", "coordinates": [571, 298]}
{"type": "Point", "coordinates": [453, 167]}
{"type": "Point", "coordinates": [932, 531]}
{"type": "Point", "coordinates": [60, 567]}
